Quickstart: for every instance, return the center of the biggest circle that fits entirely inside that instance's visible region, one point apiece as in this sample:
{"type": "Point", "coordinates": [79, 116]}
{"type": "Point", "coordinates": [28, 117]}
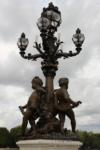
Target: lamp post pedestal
{"type": "Point", "coordinates": [49, 145]}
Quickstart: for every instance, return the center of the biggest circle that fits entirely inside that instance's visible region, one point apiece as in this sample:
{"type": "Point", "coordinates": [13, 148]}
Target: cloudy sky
{"type": "Point", "coordinates": [83, 71]}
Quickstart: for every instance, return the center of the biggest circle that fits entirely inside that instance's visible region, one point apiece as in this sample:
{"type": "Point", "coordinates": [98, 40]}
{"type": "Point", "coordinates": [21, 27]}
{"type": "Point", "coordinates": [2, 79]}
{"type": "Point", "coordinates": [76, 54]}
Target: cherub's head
{"type": "Point", "coordinates": [63, 82]}
{"type": "Point", "coordinates": [36, 82]}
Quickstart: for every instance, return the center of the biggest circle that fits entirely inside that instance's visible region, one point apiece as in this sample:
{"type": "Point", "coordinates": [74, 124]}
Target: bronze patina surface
{"type": "Point", "coordinates": [46, 103]}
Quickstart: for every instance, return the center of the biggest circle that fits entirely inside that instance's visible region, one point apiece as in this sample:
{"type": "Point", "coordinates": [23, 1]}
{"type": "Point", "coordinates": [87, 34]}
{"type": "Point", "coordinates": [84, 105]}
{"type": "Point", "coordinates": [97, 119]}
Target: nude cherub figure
{"type": "Point", "coordinates": [64, 104]}
{"type": "Point", "coordinates": [30, 111]}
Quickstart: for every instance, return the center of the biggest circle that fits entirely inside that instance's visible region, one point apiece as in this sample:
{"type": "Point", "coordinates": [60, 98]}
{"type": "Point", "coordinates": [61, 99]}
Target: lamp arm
{"type": "Point", "coordinates": [31, 57]}
{"type": "Point", "coordinates": [36, 56]}
{"type": "Point", "coordinates": [67, 55]}
{"type": "Point", "coordinates": [38, 47]}
{"type": "Point", "coordinates": [58, 43]}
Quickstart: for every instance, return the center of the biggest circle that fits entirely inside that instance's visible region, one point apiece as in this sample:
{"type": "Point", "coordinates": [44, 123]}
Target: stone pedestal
{"type": "Point", "coordinates": [48, 145]}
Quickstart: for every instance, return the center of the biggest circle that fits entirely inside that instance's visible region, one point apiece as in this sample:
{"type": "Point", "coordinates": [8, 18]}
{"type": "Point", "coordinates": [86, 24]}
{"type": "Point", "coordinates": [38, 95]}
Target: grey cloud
{"type": "Point", "coordinates": [18, 72]}
{"type": "Point", "coordinates": [16, 17]}
{"type": "Point", "coordinates": [10, 99]}
{"type": "Point", "coordinates": [90, 127]}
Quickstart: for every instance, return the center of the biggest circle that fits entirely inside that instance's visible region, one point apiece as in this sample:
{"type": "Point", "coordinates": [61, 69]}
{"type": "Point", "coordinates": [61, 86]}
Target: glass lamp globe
{"type": "Point", "coordinates": [54, 17]}
{"type": "Point", "coordinates": [22, 42]}
{"type": "Point", "coordinates": [43, 23]}
{"type": "Point", "coordinates": [78, 38]}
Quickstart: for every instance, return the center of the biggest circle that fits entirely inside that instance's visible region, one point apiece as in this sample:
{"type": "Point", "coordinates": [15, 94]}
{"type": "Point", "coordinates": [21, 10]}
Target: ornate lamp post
{"type": "Point", "coordinates": [49, 50]}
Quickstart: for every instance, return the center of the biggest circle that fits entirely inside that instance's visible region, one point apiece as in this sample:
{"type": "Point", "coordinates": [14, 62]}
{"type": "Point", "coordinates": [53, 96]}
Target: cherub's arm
{"type": "Point", "coordinates": [71, 101]}
{"type": "Point", "coordinates": [55, 98]}
{"type": "Point", "coordinates": [68, 99]}
{"type": "Point", "coordinates": [74, 104]}
{"type": "Point", "coordinates": [23, 106]}
{"type": "Point", "coordinates": [41, 89]}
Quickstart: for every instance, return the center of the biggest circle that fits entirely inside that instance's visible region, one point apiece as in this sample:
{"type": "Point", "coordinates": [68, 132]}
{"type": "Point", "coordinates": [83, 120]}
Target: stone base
{"type": "Point", "coordinates": [48, 145]}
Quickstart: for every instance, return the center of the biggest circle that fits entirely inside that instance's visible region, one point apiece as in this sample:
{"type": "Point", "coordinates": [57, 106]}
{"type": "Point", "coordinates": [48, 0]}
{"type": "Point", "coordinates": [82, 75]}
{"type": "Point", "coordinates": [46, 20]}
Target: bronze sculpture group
{"type": "Point", "coordinates": [36, 108]}
{"type": "Point", "coordinates": [45, 103]}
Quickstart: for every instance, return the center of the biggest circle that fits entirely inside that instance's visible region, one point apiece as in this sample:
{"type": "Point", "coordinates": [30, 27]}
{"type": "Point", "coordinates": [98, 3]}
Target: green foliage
{"type": "Point", "coordinates": [16, 132]}
{"type": "Point", "coordinates": [6, 140]}
{"type": "Point", "coordinates": [91, 141]}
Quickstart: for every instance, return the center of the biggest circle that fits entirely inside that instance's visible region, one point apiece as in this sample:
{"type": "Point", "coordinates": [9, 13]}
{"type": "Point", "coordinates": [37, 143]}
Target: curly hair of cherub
{"type": "Point", "coordinates": [37, 81]}
{"type": "Point", "coordinates": [63, 81]}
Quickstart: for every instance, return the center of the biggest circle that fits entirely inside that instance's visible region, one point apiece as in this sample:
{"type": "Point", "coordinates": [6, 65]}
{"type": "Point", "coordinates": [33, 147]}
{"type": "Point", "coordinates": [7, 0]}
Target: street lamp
{"type": "Point", "coordinates": [50, 19]}
{"type": "Point", "coordinates": [22, 44]}
{"type": "Point", "coordinates": [48, 23]}
{"type": "Point", "coordinates": [78, 38]}
{"type": "Point", "coordinates": [49, 51]}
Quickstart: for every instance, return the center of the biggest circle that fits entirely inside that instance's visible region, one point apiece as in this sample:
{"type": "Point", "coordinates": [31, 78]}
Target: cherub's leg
{"type": "Point", "coordinates": [62, 121]}
{"type": "Point", "coordinates": [32, 119]}
{"type": "Point", "coordinates": [26, 117]}
{"type": "Point", "coordinates": [32, 123]}
{"type": "Point", "coordinates": [71, 115]}
{"type": "Point", "coordinates": [24, 125]}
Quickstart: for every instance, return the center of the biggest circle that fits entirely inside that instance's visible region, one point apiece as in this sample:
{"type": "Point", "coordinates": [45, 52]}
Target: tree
{"type": "Point", "coordinates": [6, 139]}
